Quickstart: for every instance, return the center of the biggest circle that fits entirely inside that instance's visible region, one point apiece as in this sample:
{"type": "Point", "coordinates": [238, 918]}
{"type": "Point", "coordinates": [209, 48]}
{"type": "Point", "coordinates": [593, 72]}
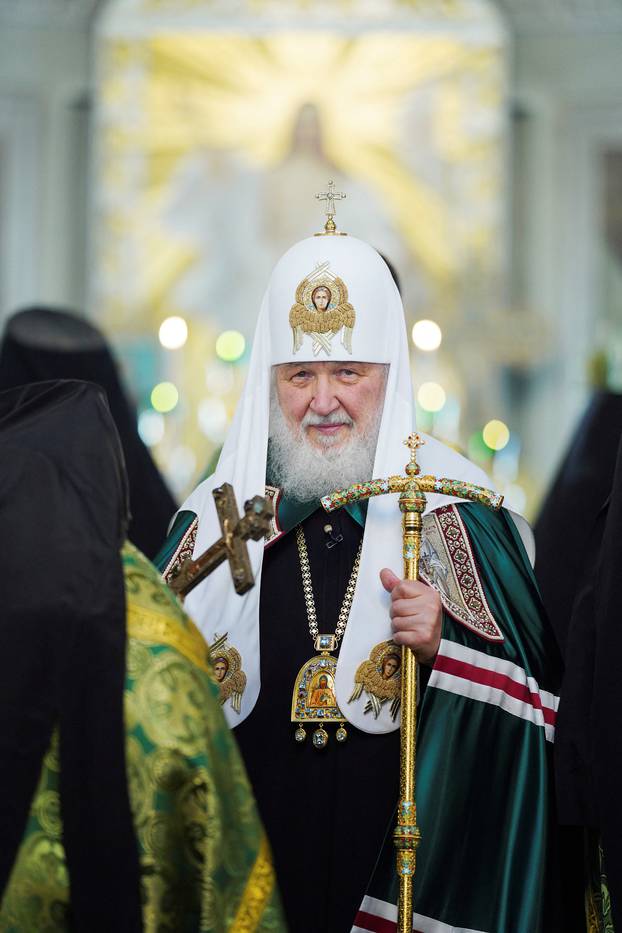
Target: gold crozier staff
{"type": "Point", "coordinates": [412, 502]}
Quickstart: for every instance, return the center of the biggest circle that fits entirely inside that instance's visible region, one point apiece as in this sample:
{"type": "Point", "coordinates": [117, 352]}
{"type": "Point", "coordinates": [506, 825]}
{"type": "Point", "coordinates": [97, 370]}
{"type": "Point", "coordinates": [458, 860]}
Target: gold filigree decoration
{"type": "Point", "coordinates": [257, 892]}
{"type": "Point", "coordinates": [150, 627]}
{"type": "Point", "coordinates": [321, 310]}
{"type": "Point", "coordinates": [379, 677]}
{"type": "Point", "coordinates": [227, 669]}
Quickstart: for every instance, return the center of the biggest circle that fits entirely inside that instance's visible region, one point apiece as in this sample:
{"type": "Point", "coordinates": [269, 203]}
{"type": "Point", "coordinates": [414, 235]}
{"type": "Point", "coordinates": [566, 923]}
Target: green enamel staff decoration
{"type": "Point", "coordinates": [412, 489]}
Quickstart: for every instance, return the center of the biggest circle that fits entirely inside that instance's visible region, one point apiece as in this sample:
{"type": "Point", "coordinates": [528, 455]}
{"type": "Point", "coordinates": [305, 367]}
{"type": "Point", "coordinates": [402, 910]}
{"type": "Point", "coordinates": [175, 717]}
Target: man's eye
{"type": "Point", "coordinates": [300, 375]}
{"type": "Point", "coordinates": [347, 372]}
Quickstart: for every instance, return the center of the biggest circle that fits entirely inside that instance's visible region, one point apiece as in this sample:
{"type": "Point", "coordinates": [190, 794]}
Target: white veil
{"type": "Point", "coordinates": [378, 335]}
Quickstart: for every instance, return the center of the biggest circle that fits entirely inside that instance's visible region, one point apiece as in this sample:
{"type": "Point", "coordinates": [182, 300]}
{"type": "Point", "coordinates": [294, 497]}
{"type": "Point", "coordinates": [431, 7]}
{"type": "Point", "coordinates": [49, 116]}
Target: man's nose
{"type": "Point", "coordinates": [324, 400]}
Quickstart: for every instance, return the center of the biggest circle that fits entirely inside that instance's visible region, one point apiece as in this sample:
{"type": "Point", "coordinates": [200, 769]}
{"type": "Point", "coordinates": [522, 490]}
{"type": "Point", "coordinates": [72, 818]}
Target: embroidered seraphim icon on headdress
{"type": "Point", "coordinates": [321, 310]}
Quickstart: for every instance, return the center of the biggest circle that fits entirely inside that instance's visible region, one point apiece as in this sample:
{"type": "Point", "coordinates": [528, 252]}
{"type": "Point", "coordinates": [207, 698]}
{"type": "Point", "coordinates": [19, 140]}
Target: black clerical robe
{"type": "Point", "coordinates": [325, 811]}
{"type": "Point", "coordinates": [588, 755]}
{"type": "Point", "coordinates": [487, 859]}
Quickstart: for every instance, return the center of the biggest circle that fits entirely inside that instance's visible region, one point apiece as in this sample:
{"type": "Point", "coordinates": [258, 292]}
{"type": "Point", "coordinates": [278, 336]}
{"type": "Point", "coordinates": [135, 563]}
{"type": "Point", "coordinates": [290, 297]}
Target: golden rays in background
{"type": "Point", "coordinates": [212, 137]}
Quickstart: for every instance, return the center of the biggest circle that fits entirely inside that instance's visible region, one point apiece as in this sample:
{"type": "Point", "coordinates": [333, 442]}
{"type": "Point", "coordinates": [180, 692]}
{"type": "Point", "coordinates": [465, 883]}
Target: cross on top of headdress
{"type": "Point", "coordinates": [330, 196]}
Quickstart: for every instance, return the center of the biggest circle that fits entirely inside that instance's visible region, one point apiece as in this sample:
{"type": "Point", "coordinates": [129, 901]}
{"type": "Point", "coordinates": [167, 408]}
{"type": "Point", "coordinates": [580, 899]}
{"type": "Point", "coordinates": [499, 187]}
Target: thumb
{"type": "Point", "coordinates": [388, 579]}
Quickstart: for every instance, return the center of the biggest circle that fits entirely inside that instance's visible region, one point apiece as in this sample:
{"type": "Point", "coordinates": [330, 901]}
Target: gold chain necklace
{"type": "Point", "coordinates": [314, 698]}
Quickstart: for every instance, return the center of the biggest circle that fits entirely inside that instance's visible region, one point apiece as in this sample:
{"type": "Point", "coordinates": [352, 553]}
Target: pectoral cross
{"type": "Point", "coordinates": [330, 197]}
{"type": "Point", "coordinates": [231, 546]}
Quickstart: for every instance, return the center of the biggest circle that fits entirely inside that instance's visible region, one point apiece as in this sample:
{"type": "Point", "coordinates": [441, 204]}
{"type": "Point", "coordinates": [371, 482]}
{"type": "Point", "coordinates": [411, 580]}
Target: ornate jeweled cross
{"type": "Point", "coordinates": [412, 488]}
{"type": "Point", "coordinates": [236, 531]}
{"type": "Point", "coordinates": [413, 442]}
{"type": "Point", "coordinates": [330, 197]}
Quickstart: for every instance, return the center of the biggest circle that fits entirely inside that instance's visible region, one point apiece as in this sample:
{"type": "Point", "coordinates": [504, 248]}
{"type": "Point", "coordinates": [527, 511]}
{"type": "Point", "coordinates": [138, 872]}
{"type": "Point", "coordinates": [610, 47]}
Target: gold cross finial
{"type": "Point", "coordinates": [413, 442]}
{"type": "Point", "coordinates": [330, 196]}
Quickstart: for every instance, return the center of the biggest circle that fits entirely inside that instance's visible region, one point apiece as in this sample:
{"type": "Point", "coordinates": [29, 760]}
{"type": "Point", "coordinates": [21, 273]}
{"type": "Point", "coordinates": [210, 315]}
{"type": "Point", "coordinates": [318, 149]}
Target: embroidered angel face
{"type": "Point", "coordinates": [321, 310]}
{"type": "Point", "coordinates": [390, 664]}
{"type": "Point", "coordinates": [379, 678]}
{"type": "Point", "coordinates": [227, 666]}
{"type": "Point", "coordinates": [321, 297]}
{"type": "Point", "coordinates": [221, 666]}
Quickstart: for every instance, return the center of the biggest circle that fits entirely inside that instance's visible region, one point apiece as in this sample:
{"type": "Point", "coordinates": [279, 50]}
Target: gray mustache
{"type": "Point", "coordinates": [335, 417]}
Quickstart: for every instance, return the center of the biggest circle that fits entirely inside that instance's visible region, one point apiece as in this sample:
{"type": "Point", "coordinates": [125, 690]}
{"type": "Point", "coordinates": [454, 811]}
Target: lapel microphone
{"type": "Point", "coordinates": [333, 539]}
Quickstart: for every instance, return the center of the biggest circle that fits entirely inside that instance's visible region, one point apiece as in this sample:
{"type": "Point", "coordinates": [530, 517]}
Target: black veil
{"type": "Point", "coordinates": [578, 492]}
{"type": "Point", "coordinates": [569, 536]}
{"type": "Point", "coordinates": [63, 518]}
{"type": "Point", "coordinates": [42, 343]}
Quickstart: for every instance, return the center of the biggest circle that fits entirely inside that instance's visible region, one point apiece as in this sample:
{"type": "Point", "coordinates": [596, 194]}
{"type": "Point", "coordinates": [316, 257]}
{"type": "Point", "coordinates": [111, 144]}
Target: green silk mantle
{"type": "Point", "coordinates": [484, 790]}
{"type": "Point", "coordinates": [205, 861]}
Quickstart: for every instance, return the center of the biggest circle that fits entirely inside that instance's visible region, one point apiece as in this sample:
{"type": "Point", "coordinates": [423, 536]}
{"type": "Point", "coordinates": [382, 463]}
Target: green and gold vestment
{"type": "Point", "coordinates": [205, 863]}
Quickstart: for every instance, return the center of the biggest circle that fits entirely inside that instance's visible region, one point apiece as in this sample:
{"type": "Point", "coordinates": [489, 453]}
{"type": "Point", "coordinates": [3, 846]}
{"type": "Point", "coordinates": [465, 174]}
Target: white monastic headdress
{"type": "Point", "coordinates": [364, 322]}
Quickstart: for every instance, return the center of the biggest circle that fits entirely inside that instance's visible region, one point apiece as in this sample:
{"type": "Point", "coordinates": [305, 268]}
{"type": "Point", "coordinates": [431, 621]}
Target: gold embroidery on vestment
{"type": "Point", "coordinates": [257, 892]}
{"type": "Point", "coordinates": [145, 625]}
{"type": "Point", "coordinates": [448, 565]}
{"type": "Point", "coordinates": [380, 678]}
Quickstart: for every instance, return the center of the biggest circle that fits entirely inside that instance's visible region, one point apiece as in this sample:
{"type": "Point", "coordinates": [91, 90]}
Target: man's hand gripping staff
{"type": "Point", "coordinates": [419, 633]}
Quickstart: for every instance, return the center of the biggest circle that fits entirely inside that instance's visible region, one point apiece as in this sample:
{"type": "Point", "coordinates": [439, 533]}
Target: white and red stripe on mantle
{"type": "Point", "coordinates": [501, 683]}
{"type": "Point", "coordinates": [376, 916]}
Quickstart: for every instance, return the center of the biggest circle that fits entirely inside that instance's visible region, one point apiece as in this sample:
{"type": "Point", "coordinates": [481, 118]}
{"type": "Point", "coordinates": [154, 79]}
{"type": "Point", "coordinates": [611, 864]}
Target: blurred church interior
{"type": "Point", "coordinates": [158, 156]}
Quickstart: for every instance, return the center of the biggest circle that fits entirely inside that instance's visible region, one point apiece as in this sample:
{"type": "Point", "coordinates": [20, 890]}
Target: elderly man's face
{"type": "Point", "coordinates": [330, 401]}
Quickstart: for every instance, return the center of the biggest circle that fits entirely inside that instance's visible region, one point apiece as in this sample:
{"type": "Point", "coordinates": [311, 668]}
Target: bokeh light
{"type": "Point", "coordinates": [496, 434]}
{"type": "Point", "coordinates": [447, 422]}
{"type": "Point", "coordinates": [431, 396]}
{"type": "Point", "coordinates": [150, 427]}
{"type": "Point", "coordinates": [230, 345]}
{"type": "Point", "coordinates": [212, 417]}
{"type": "Point", "coordinates": [182, 464]}
{"type": "Point", "coordinates": [477, 449]}
{"type": "Point", "coordinates": [219, 379]}
{"type": "Point", "coordinates": [173, 333]}
{"type": "Point", "coordinates": [515, 497]}
{"type": "Point", "coordinates": [506, 463]}
{"type": "Point", "coordinates": [164, 396]}
{"type": "Point", "coordinates": [427, 335]}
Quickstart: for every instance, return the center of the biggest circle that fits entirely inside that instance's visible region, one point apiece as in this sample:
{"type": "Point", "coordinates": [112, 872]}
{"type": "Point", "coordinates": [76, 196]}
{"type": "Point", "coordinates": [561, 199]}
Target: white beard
{"type": "Point", "coordinates": [305, 472]}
